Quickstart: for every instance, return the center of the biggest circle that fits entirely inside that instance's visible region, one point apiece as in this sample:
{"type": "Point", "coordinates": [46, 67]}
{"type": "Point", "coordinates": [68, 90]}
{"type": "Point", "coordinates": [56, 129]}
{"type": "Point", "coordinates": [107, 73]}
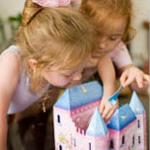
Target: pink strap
{"type": "Point", "coordinates": [52, 3]}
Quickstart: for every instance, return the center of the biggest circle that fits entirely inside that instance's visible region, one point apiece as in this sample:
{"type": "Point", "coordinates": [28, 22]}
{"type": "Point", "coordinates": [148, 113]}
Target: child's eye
{"type": "Point", "coordinates": [113, 38]}
{"type": "Point", "coordinates": [67, 76]}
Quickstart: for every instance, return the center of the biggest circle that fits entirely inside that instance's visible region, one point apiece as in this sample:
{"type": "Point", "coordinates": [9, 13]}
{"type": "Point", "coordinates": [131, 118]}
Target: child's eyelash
{"type": "Point", "coordinates": [114, 38]}
{"type": "Point", "coordinates": [67, 75]}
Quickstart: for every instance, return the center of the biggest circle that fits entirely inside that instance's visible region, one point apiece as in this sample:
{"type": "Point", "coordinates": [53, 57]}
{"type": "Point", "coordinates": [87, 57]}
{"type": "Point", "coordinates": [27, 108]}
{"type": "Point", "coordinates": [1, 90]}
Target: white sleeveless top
{"type": "Point", "coordinates": [22, 97]}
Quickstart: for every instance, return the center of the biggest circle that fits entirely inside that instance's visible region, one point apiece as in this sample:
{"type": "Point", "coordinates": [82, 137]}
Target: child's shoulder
{"type": "Point", "coordinates": [11, 52]}
{"type": "Point", "coordinates": [10, 56]}
{"type": "Point", "coordinates": [9, 69]}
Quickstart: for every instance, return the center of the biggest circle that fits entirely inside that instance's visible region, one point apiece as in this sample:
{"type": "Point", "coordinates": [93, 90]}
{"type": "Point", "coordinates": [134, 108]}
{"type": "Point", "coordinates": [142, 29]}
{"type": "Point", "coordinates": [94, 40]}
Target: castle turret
{"type": "Point", "coordinates": [136, 105]}
{"type": "Point", "coordinates": [97, 132]}
{"type": "Point", "coordinates": [138, 108]}
{"type": "Point", "coordinates": [122, 129]}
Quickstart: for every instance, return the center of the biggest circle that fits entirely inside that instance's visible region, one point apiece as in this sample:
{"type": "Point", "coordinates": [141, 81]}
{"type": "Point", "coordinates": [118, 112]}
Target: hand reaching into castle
{"type": "Point", "coordinates": [107, 109]}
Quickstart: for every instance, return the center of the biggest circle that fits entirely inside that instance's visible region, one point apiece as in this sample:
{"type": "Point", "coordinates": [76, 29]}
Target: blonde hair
{"type": "Point", "coordinates": [55, 37]}
{"type": "Point", "coordinates": [101, 11]}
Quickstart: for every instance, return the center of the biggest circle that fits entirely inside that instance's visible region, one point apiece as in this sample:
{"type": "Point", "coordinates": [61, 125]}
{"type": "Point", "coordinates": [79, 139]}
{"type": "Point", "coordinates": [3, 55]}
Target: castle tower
{"type": "Point", "coordinates": [122, 129]}
{"type": "Point", "coordinates": [72, 112]}
{"type": "Point", "coordinates": [97, 133]}
{"type": "Point", "coordinates": [63, 122]}
{"type": "Point", "coordinates": [138, 108]}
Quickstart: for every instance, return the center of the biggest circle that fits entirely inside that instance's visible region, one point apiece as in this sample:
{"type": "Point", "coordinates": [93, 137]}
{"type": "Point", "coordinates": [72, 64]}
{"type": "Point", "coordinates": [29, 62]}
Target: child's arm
{"type": "Point", "coordinates": [9, 75]}
{"type": "Point", "coordinates": [107, 75]}
{"type": "Point", "coordinates": [130, 74]}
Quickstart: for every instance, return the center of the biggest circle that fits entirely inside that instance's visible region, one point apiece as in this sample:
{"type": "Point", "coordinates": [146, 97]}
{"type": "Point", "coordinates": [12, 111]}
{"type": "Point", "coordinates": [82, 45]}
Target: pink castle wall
{"type": "Point", "coordinates": [83, 141]}
{"type": "Point", "coordinates": [82, 115]}
{"type": "Point", "coordinates": [64, 129]}
{"type": "Point", "coordinates": [141, 131]}
{"type": "Point", "coordinates": [68, 134]}
{"type": "Point", "coordinates": [116, 136]}
{"type": "Point", "coordinates": [73, 132]}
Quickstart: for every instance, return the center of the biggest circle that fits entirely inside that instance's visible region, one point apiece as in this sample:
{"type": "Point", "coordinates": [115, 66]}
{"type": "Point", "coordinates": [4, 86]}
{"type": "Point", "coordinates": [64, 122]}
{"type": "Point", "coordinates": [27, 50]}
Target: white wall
{"type": "Point", "coordinates": [139, 46]}
{"type": "Point", "coordinates": [10, 8]}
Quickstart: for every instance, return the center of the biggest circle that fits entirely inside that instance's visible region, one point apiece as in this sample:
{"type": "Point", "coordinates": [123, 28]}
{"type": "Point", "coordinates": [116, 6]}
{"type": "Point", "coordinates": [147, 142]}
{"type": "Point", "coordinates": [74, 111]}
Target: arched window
{"type": "Point", "coordinates": [111, 144]}
{"type": "Point", "coordinates": [138, 123]}
{"type": "Point", "coordinates": [58, 118]}
{"type": "Point", "coordinates": [74, 142]}
{"type": "Point", "coordinates": [90, 147]}
{"type": "Point", "coordinates": [139, 139]}
{"type": "Point", "coordinates": [123, 141]}
{"type": "Point", "coordinates": [133, 141]}
{"type": "Point", "coordinates": [60, 147]}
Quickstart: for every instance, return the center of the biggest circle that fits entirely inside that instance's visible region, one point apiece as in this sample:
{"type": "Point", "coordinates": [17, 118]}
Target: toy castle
{"type": "Point", "coordinates": [78, 124]}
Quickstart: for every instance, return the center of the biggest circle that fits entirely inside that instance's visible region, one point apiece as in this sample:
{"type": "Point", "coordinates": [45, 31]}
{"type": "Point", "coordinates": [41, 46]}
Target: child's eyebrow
{"type": "Point", "coordinates": [67, 72]}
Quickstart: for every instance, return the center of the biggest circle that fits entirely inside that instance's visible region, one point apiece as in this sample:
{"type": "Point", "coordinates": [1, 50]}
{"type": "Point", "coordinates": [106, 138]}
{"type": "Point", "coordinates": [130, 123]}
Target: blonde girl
{"type": "Point", "coordinates": [112, 21]}
{"type": "Point", "coordinates": [103, 63]}
{"type": "Point", "coordinates": [52, 47]}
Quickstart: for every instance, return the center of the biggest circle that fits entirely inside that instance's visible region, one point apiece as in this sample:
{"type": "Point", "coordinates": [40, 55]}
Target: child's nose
{"type": "Point", "coordinates": [102, 45]}
{"type": "Point", "coordinates": [77, 77]}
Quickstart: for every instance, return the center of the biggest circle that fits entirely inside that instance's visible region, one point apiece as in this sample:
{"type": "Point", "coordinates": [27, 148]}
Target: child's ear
{"type": "Point", "coordinates": [32, 63]}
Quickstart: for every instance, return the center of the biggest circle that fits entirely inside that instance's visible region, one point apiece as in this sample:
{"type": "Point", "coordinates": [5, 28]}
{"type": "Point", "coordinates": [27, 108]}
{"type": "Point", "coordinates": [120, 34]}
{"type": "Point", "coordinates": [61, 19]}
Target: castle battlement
{"type": "Point", "coordinates": [80, 131]}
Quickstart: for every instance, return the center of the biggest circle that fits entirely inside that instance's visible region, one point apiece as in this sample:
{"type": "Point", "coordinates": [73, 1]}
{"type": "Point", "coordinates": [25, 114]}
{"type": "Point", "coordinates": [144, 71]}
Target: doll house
{"type": "Point", "coordinates": [78, 124]}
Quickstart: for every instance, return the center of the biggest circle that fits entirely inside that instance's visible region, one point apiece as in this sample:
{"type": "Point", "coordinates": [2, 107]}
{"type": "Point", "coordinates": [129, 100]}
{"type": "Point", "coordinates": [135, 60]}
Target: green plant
{"type": "Point", "coordinates": [14, 22]}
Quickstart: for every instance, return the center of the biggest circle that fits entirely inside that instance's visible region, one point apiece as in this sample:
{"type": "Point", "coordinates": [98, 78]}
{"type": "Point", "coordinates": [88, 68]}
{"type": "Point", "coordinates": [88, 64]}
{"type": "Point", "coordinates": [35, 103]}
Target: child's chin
{"type": "Point", "coordinates": [67, 85]}
{"type": "Point", "coordinates": [60, 86]}
{"type": "Point", "coordinates": [64, 86]}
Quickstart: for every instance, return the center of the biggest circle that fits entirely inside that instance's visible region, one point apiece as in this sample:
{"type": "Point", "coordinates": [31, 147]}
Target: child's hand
{"type": "Point", "coordinates": [107, 109]}
{"type": "Point", "coordinates": [135, 87]}
{"type": "Point", "coordinates": [133, 74]}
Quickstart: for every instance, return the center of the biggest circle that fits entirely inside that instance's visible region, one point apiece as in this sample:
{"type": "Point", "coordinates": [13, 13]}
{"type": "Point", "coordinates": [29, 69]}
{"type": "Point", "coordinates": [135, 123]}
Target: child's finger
{"type": "Point", "coordinates": [139, 79]}
{"type": "Point", "coordinates": [110, 114]}
{"type": "Point", "coordinates": [128, 81]}
{"type": "Point", "coordinates": [105, 113]}
{"type": "Point", "coordinates": [101, 109]}
{"type": "Point", "coordinates": [123, 78]}
{"type": "Point", "coordinates": [147, 78]}
{"type": "Point", "coordinates": [145, 85]}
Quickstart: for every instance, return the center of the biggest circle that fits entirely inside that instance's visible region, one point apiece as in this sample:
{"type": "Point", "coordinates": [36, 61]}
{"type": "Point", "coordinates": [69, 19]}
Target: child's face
{"type": "Point", "coordinates": [108, 39]}
{"type": "Point", "coordinates": [63, 78]}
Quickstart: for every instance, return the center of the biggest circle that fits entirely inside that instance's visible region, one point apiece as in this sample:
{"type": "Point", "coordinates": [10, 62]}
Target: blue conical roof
{"type": "Point", "coordinates": [136, 105]}
{"type": "Point", "coordinates": [80, 95]}
{"type": "Point", "coordinates": [97, 126]}
{"type": "Point", "coordinates": [121, 118]}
